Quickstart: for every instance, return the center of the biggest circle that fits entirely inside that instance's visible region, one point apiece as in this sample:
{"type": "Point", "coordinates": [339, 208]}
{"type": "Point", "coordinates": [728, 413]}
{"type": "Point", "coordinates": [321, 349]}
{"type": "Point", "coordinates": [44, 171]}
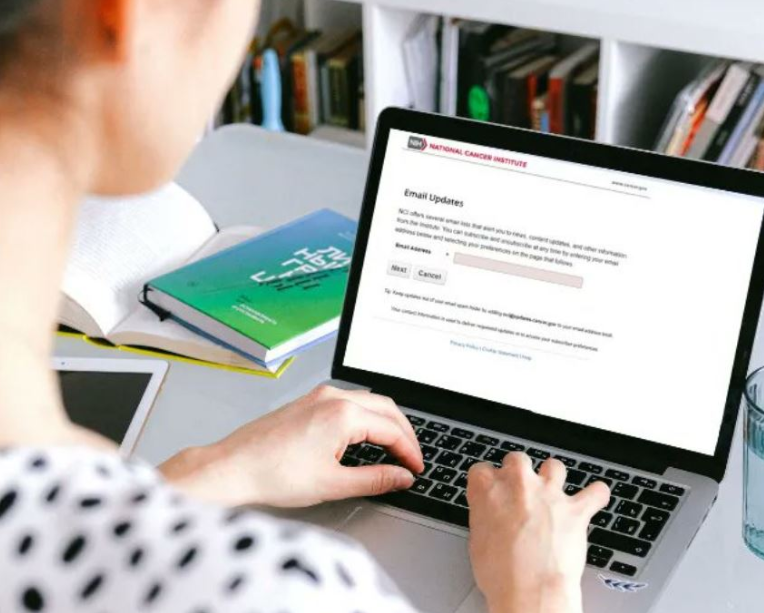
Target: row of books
{"type": "Point", "coordinates": [321, 80]}
{"type": "Point", "coordinates": [719, 117]}
{"type": "Point", "coordinates": [507, 75]}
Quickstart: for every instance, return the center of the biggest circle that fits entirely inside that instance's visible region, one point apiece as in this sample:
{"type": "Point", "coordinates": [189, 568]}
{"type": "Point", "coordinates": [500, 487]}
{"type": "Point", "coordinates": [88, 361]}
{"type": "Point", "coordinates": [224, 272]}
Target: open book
{"type": "Point", "coordinates": [122, 243]}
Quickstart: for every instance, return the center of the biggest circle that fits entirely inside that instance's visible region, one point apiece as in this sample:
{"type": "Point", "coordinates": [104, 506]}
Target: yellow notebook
{"type": "Point", "coordinates": [172, 357]}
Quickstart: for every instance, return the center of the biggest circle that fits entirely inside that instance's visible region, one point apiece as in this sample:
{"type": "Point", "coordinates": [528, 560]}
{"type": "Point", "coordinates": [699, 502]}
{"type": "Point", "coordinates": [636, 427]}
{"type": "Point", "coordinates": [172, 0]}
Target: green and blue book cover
{"type": "Point", "coordinates": [268, 297]}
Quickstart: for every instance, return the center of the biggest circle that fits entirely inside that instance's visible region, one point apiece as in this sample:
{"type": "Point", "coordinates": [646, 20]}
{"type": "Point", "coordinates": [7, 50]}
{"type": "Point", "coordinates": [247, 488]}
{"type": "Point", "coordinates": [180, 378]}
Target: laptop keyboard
{"type": "Point", "coordinates": [621, 536]}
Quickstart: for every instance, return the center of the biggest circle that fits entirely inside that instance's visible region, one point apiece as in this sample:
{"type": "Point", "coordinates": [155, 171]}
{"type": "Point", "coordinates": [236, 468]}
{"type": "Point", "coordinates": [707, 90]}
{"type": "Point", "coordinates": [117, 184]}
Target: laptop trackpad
{"type": "Point", "coordinates": [430, 566]}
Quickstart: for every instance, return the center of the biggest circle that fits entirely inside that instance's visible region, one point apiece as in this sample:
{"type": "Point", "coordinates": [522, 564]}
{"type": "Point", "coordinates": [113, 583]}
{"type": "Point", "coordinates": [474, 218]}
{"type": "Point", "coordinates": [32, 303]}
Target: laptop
{"type": "Point", "coordinates": [514, 291]}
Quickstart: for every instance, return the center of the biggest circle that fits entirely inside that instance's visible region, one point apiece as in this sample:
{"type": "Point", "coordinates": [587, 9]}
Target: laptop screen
{"type": "Point", "coordinates": [608, 299]}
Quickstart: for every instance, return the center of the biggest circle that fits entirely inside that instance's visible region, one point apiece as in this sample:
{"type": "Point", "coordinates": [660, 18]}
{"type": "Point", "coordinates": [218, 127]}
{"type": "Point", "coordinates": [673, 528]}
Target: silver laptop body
{"type": "Point", "coordinates": [661, 493]}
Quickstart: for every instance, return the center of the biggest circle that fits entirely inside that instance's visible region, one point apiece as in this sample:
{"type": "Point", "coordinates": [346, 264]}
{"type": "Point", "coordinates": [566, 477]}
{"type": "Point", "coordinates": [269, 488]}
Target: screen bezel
{"type": "Point", "coordinates": [155, 368]}
{"type": "Point", "coordinates": [632, 451]}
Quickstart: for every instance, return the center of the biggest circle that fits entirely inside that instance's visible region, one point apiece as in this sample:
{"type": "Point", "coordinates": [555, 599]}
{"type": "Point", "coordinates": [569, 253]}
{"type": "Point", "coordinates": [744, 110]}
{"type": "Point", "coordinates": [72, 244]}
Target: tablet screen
{"type": "Point", "coordinates": [104, 402]}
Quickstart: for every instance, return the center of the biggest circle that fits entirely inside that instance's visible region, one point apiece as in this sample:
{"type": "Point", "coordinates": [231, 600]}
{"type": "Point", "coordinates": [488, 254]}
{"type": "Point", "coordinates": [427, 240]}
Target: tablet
{"type": "Point", "coordinates": [110, 397]}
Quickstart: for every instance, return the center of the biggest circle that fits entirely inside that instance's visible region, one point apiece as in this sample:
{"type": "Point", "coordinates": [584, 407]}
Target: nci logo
{"type": "Point", "coordinates": [418, 143]}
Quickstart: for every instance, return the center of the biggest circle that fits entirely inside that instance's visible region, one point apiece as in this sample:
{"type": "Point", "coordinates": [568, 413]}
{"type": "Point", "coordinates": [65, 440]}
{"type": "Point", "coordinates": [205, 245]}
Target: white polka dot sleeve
{"type": "Point", "coordinates": [85, 531]}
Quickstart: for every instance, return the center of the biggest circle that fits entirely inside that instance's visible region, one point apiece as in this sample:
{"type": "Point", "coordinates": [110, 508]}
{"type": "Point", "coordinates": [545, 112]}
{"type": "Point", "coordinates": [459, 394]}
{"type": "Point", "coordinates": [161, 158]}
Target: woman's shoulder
{"type": "Point", "coordinates": [82, 529]}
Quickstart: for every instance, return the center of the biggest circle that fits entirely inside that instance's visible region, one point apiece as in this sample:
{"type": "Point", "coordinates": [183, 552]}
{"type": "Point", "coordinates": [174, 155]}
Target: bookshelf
{"type": "Point", "coordinates": [649, 50]}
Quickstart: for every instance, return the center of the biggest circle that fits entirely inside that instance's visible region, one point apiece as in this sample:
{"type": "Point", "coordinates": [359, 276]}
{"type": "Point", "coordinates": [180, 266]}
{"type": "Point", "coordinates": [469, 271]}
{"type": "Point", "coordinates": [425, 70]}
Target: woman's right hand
{"type": "Point", "coordinates": [527, 537]}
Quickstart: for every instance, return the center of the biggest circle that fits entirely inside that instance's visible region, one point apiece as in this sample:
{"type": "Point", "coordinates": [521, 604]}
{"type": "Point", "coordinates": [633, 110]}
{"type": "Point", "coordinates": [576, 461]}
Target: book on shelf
{"type": "Point", "coordinates": [122, 243]}
{"type": "Point", "coordinates": [307, 64]}
{"type": "Point", "coordinates": [342, 75]}
{"type": "Point", "coordinates": [719, 109]}
{"type": "Point", "coordinates": [717, 116]}
{"type": "Point", "coordinates": [560, 78]}
{"type": "Point", "coordinates": [267, 298]}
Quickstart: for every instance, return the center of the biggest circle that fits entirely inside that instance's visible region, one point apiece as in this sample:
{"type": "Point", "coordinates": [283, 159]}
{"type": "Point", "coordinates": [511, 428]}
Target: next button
{"type": "Point", "coordinates": [430, 275]}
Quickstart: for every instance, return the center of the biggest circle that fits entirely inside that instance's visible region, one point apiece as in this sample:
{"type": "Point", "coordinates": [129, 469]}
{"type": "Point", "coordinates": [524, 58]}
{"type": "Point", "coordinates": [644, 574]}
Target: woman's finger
{"type": "Point", "coordinates": [592, 499]}
{"type": "Point", "coordinates": [553, 472]}
{"type": "Point", "coordinates": [378, 429]}
{"type": "Point", "coordinates": [385, 406]}
{"type": "Point", "coordinates": [379, 404]}
{"type": "Point", "coordinates": [369, 481]}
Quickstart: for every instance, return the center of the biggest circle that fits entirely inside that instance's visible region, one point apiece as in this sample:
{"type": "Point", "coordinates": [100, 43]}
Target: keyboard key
{"type": "Point", "coordinates": [675, 490]}
{"type": "Point", "coordinates": [461, 500]}
{"type": "Point", "coordinates": [660, 501]}
{"type": "Point", "coordinates": [487, 440]}
{"type": "Point", "coordinates": [590, 468]}
{"type": "Point", "coordinates": [618, 475]}
{"type": "Point", "coordinates": [462, 433]}
{"type": "Point", "coordinates": [610, 504]}
{"type": "Point", "coordinates": [428, 453]}
{"type": "Point", "coordinates": [370, 454]}
{"type": "Point", "coordinates": [427, 469]}
{"type": "Point", "coordinates": [600, 552]}
{"type": "Point", "coordinates": [619, 542]}
{"type": "Point", "coordinates": [651, 530]}
{"type": "Point", "coordinates": [495, 455]}
{"type": "Point", "coordinates": [595, 561]}
{"type": "Point", "coordinates": [626, 525]}
{"type": "Point", "coordinates": [451, 443]}
{"type": "Point", "coordinates": [474, 449]}
{"type": "Point", "coordinates": [467, 464]}
{"type": "Point", "coordinates": [443, 492]}
{"type": "Point", "coordinates": [461, 481]}
{"type": "Point", "coordinates": [601, 519]}
{"type": "Point", "coordinates": [623, 569]}
{"type": "Point", "coordinates": [643, 482]}
{"type": "Point", "coordinates": [350, 461]}
{"type": "Point", "coordinates": [415, 421]}
{"type": "Point", "coordinates": [443, 474]}
{"type": "Point", "coordinates": [421, 486]}
{"type": "Point", "coordinates": [449, 458]}
{"type": "Point", "coordinates": [510, 446]}
{"type": "Point", "coordinates": [437, 426]}
{"type": "Point", "coordinates": [595, 478]}
{"type": "Point", "coordinates": [390, 459]}
{"type": "Point", "coordinates": [571, 490]}
{"type": "Point", "coordinates": [575, 477]}
{"type": "Point", "coordinates": [655, 515]}
{"type": "Point", "coordinates": [538, 454]}
{"type": "Point", "coordinates": [629, 509]}
{"type": "Point", "coordinates": [353, 449]}
{"type": "Point", "coordinates": [426, 436]}
{"type": "Point", "coordinates": [625, 490]}
{"type": "Point", "coordinates": [569, 462]}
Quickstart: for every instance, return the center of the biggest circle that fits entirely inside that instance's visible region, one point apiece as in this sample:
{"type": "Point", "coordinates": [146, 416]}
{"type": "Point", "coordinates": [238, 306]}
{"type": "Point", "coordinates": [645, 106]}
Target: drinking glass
{"type": "Point", "coordinates": [753, 475]}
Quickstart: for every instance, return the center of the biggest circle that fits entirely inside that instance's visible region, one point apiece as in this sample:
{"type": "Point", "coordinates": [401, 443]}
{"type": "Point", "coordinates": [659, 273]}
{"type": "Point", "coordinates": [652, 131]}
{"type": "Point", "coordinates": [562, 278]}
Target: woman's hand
{"type": "Point", "coordinates": [291, 457]}
{"type": "Point", "coordinates": [527, 537]}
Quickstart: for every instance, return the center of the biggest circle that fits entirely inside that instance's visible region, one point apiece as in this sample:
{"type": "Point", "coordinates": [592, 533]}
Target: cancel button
{"type": "Point", "coordinates": [430, 275]}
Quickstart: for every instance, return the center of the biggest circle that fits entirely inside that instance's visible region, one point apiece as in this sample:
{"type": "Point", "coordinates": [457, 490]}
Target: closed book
{"type": "Point", "coordinates": [582, 106]}
{"type": "Point", "coordinates": [344, 81]}
{"type": "Point", "coordinates": [521, 86]}
{"type": "Point", "coordinates": [721, 106]}
{"type": "Point", "coordinates": [267, 298]}
{"type": "Point", "coordinates": [559, 78]}
{"type": "Point", "coordinates": [306, 63]}
{"type": "Point", "coordinates": [725, 131]}
{"type": "Point", "coordinates": [745, 125]}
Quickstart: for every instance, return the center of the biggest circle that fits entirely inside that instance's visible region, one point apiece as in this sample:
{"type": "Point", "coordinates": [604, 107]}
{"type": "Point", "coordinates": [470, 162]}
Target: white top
{"type": "Point", "coordinates": [85, 531]}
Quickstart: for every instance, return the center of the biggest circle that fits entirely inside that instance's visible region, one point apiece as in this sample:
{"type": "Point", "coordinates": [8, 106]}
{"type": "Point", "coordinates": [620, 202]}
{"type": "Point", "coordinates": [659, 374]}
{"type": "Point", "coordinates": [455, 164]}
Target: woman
{"type": "Point", "coordinates": [108, 97]}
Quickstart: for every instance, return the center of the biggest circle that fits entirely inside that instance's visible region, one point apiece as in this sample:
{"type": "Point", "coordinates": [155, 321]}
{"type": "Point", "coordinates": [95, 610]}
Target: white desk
{"type": "Point", "coordinates": [246, 176]}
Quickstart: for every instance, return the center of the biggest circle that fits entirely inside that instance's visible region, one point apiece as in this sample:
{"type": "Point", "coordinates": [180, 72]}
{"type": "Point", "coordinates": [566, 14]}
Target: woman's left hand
{"type": "Point", "coordinates": [291, 457]}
